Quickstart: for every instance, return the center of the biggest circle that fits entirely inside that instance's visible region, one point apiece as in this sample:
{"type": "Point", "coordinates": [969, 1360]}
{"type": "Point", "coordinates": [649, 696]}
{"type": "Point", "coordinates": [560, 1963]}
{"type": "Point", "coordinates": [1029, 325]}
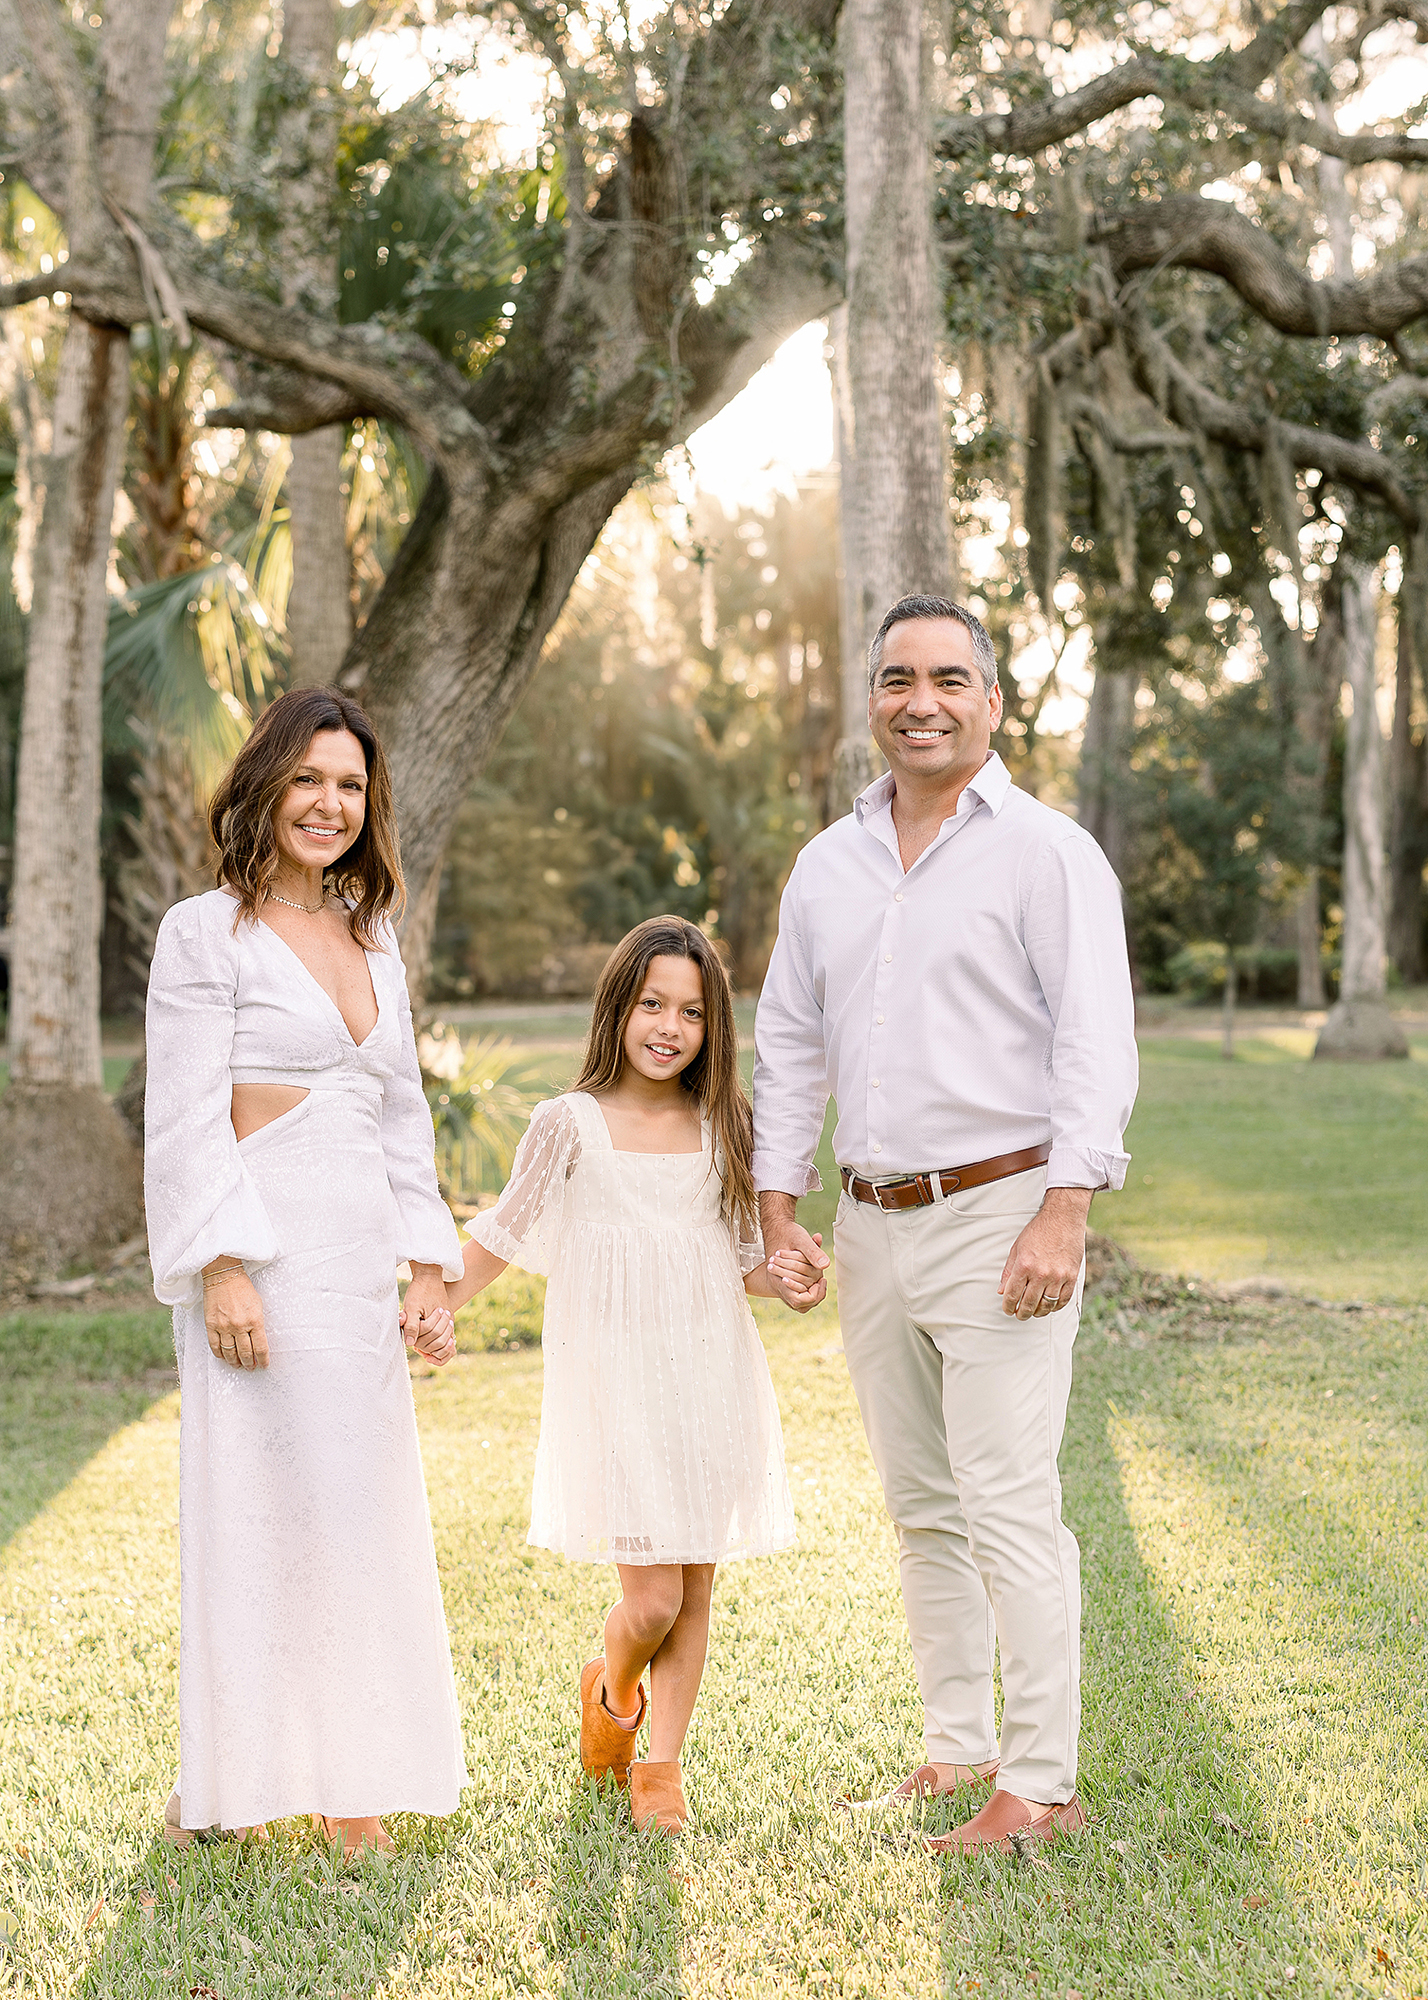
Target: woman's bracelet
{"type": "Point", "coordinates": [211, 1278]}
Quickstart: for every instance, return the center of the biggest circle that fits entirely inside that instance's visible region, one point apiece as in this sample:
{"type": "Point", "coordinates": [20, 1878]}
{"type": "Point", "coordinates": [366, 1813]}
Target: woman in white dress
{"type": "Point", "coordinates": [660, 1445]}
{"type": "Point", "coordinates": [289, 1169]}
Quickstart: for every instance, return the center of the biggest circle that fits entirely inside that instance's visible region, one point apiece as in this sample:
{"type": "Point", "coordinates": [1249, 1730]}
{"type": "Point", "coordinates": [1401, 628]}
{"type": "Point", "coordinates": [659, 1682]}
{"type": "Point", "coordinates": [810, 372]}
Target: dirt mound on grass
{"type": "Point", "coordinates": [1107, 1265]}
{"type": "Point", "coordinates": [71, 1180]}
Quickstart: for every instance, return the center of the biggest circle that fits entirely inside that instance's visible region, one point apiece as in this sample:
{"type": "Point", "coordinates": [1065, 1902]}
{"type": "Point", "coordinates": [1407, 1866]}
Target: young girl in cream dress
{"type": "Point", "coordinates": [660, 1446]}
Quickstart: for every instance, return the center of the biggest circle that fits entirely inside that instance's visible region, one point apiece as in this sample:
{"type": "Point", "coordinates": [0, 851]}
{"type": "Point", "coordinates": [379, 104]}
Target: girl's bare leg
{"type": "Point", "coordinates": [678, 1667]}
{"type": "Point", "coordinates": [638, 1626]}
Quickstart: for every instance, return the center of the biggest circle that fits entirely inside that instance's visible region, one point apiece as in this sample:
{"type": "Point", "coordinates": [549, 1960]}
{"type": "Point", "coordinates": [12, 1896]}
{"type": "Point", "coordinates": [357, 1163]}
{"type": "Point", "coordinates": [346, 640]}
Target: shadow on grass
{"type": "Point", "coordinates": [1174, 1889]}
{"type": "Point", "coordinates": [1297, 1466]}
{"type": "Point", "coordinates": [614, 1921]}
{"type": "Point", "coordinates": [68, 1381]}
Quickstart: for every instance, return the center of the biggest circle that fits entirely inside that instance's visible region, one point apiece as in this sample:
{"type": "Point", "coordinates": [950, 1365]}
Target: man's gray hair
{"type": "Point", "coordinates": [984, 654]}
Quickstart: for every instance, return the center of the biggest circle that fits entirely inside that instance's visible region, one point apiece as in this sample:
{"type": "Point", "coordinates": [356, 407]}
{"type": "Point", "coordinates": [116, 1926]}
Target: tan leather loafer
{"type": "Point", "coordinates": [924, 1784]}
{"type": "Point", "coordinates": [657, 1797]}
{"type": "Point", "coordinates": [1005, 1825]}
{"type": "Point", "coordinates": [604, 1744]}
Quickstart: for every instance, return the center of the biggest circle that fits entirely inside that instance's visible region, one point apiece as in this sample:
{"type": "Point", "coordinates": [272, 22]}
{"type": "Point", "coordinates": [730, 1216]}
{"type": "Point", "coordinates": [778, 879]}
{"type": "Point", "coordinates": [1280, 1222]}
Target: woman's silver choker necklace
{"type": "Point", "coordinates": [287, 902]}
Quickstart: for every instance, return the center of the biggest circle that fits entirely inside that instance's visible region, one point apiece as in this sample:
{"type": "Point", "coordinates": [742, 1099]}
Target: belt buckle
{"type": "Point", "coordinates": [878, 1198]}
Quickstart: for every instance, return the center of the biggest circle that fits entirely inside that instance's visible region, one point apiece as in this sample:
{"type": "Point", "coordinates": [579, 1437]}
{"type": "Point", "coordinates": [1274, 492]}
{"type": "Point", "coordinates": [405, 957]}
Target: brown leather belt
{"type": "Point", "coordinates": [918, 1191]}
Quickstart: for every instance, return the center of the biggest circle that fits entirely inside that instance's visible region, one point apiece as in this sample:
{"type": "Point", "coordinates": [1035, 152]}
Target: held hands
{"type": "Point", "coordinates": [798, 1270]}
{"type": "Point", "coordinates": [425, 1319]}
{"type": "Point", "coordinates": [233, 1315]}
{"type": "Point", "coordinates": [1040, 1274]}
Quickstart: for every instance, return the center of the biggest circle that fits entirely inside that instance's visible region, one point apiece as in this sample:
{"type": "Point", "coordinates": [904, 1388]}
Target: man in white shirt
{"type": "Point", "coordinates": [951, 965]}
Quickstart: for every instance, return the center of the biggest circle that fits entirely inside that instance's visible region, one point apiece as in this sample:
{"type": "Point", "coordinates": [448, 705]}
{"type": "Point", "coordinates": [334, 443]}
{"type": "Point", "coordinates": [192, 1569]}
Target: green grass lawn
{"type": "Point", "coordinates": [1312, 1173]}
{"type": "Point", "coordinates": [1250, 1489]}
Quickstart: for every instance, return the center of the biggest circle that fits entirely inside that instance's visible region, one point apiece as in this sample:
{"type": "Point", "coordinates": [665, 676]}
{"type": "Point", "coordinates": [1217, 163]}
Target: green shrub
{"type": "Point", "coordinates": [1267, 972]}
{"type": "Point", "coordinates": [1198, 970]}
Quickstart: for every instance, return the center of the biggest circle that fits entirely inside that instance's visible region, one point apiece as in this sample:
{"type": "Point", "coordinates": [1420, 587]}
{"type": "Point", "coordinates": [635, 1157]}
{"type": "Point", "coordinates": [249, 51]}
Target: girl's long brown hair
{"type": "Point", "coordinates": [713, 1076]}
{"type": "Point", "coordinates": [241, 815]}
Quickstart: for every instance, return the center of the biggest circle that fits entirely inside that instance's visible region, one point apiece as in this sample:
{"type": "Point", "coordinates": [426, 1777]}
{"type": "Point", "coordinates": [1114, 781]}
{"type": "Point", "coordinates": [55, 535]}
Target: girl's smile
{"type": "Point", "coordinates": [665, 1031]}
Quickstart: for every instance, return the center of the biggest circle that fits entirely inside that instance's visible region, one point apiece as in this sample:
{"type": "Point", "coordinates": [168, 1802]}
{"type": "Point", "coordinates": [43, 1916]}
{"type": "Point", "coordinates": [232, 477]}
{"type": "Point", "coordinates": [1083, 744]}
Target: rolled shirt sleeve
{"type": "Point", "coordinates": [199, 1199]}
{"type": "Point", "coordinates": [790, 1064]}
{"type": "Point", "coordinates": [1074, 931]}
{"type": "Point", "coordinates": [426, 1229]}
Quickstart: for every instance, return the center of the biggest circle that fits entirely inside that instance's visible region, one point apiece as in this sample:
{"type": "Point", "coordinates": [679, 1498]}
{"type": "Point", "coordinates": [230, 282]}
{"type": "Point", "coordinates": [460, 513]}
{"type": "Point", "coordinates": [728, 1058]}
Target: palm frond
{"type": "Point", "coordinates": [481, 1095]}
{"type": "Point", "coordinates": [197, 655]}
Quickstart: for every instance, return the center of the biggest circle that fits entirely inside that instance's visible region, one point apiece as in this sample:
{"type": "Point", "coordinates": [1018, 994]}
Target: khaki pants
{"type": "Point", "coordinates": [964, 1410]}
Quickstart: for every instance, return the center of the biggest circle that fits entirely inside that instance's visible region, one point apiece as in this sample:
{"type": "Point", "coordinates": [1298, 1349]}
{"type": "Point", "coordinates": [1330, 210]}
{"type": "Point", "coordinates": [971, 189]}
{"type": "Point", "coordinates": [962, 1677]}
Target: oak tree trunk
{"type": "Point", "coordinates": [319, 616]}
{"type": "Point", "coordinates": [893, 463]}
{"type": "Point", "coordinates": [1307, 679]}
{"type": "Point", "coordinates": [71, 1181]}
{"type": "Point", "coordinates": [1105, 762]}
{"type": "Point", "coordinates": [447, 652]}
{"type": "Point", "coordinates": [1360, 1027]}
{"type": "Point", "coordinates": [1408, 784]}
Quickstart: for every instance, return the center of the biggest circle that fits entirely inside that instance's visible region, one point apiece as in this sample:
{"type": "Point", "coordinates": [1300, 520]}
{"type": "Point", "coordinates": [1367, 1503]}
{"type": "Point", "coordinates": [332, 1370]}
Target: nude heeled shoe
{"type": "Point", "coordinates": [184, 1836]}
{"type": "Point", "coordinates": [333, 1830]}
{"type": "Point", "coordinates": [657, 1797]}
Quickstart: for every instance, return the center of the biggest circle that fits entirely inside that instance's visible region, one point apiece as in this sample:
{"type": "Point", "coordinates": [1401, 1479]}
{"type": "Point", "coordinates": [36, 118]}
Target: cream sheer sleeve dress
{"type": "Point", "coordinates": [314, 1669]}
{"type": "Point", "coordinates": [660, 1439]}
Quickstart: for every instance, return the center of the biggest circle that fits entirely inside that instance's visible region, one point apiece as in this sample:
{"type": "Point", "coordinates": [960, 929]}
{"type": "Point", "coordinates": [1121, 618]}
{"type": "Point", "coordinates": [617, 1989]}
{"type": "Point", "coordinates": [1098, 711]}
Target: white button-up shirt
{"type": "Point", "coordinates": [974, 1004]}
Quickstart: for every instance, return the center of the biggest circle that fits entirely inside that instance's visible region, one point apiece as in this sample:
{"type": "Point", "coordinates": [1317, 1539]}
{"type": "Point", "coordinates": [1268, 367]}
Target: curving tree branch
{"type": "Point", "coordinates": [1226, 83]}
{"type": "Point", "coordinates": [1190, 233]}
{"type": "Point", "coordinates": [1186, 402]}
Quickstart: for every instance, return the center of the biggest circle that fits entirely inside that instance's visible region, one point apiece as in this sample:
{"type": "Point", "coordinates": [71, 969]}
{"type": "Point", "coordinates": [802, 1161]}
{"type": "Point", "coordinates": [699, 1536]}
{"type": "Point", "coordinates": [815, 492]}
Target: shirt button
{"type": "Point", "coordinates": [898, 897]}
{"type": "Point", "coordinates": [877, 1148]}
{"type": "Point", "coordinates": [887, 958]}
{"type": "Point", "coordinates": [876, 1083]}
{"type": "Point", "coordinates": [880, 1020]}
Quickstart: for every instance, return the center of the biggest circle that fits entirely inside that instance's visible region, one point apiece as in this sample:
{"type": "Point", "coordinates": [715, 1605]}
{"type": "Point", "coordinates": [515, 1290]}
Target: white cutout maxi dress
{"type": "Point", "coordinates": [314, 1669]}
{"type": "Point", "coordinates": [660, 1439]}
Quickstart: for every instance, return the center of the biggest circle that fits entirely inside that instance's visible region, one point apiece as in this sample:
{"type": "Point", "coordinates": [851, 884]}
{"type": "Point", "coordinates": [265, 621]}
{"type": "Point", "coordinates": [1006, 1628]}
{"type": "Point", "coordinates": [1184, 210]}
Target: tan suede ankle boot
{"type": "Point", "coordinates": [657, 1797]}
{"type": "Point", "coordinates": [604, 1744]}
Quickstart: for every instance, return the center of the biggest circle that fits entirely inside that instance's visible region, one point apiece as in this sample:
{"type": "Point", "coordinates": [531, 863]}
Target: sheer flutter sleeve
{"type": "Point", "coordinates": [426, 1230]}
{"type": "Point", "coordinates": [524, 1226]}
{"type": "Point", "coordinates": [748, 1244]}
{"type": "Point", "coordinates": [198, 1197]}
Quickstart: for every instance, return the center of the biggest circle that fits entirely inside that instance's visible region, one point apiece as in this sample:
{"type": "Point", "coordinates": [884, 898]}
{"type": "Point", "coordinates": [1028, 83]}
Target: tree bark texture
{"type": "Point", "coordinates": [894, 457]}
{"type": "Point", "coordinates": [319, 617]}
{"type": "Point", "coordinates": [1408, 781]}
{"type": "Point", "coordinates": [56, 1072]}
{"type": "Point", "coordinates": [54, 963]}
{"type": "Point", "coordinates": [1310, 993]}
{"type": "Point", "coordinates": [319, 614]}
{"type": "Point", "coordinates": [854, 757]}
{"type": "Point", "coordinates": [1307, 679]}
{"type": "Point", "coordinates": [1105, 763]}
{"type": "Point", "coordinates": [1360, 1027]}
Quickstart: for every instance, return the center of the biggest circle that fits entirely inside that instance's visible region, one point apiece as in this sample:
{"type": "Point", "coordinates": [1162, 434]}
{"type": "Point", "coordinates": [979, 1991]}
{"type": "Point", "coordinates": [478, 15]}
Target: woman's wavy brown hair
{"type": "Point", "coordinates": [713, 1076]}
{"type": "Point", "coordinates": [241, 815]}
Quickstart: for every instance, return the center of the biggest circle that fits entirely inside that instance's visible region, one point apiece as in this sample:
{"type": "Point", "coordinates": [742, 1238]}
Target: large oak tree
{"type": "Point", "coordinates": [684, 217]}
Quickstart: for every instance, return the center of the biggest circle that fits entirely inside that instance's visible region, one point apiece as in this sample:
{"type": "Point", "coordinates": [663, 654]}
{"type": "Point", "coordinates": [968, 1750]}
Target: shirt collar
{"type": "Point", "coordinates": [991, 785]}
